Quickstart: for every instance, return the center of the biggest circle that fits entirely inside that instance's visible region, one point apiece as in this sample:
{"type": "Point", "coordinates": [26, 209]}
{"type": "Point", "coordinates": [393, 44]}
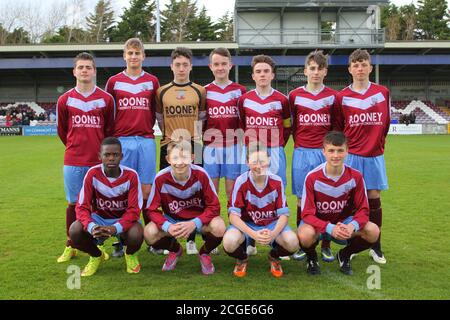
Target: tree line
{"type": "Point", "coordinates": [181, 20]}
{"type": "Point", "coordinates": [428, 21]}
{"type": "Point", "coordinates": [63, 22]}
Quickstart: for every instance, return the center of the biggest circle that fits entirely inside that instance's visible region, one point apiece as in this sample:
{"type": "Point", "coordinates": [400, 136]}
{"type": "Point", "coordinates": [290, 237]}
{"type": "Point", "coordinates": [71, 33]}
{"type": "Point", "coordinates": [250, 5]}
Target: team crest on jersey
{"type": "Point", "coordinates": [272, 107]}
{"type": "Point", "coordinates": [123, 189]}
{"type": "Point", "coordinates": [374, 101]}
{"type": "Point", "coordinates": [181, 94]}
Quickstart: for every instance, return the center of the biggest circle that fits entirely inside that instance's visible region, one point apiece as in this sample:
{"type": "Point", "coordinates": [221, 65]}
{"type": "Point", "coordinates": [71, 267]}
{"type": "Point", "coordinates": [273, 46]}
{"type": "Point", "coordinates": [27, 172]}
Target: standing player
{"type": "Point", "coordinates": [181, 107]}
{"type": "Point", "coordinates": [85, 115]}
{"type": "Point", "coordinates": [335, 206]}
{"type": "Point", "coordinates": [222, 152]}
{"type": "Point", "coordinates": [109, 204]}
{"type": "Point", "coordinates": [311, 107]}
{"type": "Point", "coordinates": [189, 203]}
{"type": "Point", "coordinates": [221, 145]}
{"type": "Point", "coordinates": [181, 113]}
{"type": "Point", "coordinates": [265, 116]}
{"type": "Point", "coordinates": [258, 210]}
{"type": "Point", "coordinates": [363, 114]}
{"type": "Point", "coordinates": [134, 91]}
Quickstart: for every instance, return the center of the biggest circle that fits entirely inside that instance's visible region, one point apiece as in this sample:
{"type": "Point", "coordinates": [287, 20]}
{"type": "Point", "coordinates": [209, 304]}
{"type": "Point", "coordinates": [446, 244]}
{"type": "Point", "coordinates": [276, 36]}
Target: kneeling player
{"type": "Point", "coordinates": [109, 205]}
{"type": "Point", "coordinates": [258, 210]}
{"type": "Point", "coordinates": [189, 202]}
{"type": "Point", "coordinates": [335, 207]}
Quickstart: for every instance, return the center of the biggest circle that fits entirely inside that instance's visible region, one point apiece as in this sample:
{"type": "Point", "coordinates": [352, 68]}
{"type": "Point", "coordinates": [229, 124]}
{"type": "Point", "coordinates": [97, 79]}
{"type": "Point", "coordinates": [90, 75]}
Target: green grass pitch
{"type": "Point", "coordinates": [416, 228]}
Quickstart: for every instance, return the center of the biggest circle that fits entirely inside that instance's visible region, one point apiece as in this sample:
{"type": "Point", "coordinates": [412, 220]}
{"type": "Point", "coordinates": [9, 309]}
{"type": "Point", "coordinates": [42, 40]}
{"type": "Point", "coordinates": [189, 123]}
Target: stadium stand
{"type": "Point", "coordinates": [425, 111]}
{"type": "Point", "coordinates": [27, 113]}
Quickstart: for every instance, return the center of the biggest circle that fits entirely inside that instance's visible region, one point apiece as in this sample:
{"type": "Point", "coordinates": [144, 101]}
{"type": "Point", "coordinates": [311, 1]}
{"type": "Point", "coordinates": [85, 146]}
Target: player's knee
{"type": "Point", "coordinates": [290, 241]}
{"type": "Point", "coordinates": [371, 232]}
{"type": "Point", "coordinates": [218, 227]}
{"type": "Point", "coordinates": [306, 235]}
{"type": "Point", "coordinates": [135, 235]}
{"type": "Point", "coordinates": [151, 233]}
{"type": "Point", "coordinates": [230, 242]}
{"type": "Point", "coordinates": [76, 231]}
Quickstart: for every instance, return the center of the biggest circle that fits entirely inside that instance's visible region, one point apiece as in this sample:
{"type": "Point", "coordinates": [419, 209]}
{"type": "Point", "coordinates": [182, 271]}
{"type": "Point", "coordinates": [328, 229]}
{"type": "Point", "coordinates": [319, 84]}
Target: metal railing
{"type": "Point", "coordinates": [310, 37]}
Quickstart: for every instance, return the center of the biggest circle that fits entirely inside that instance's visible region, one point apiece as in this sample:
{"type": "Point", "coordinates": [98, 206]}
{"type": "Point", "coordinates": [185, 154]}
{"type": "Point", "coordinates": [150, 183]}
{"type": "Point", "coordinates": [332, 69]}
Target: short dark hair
{"type": "Point", "coordinates": [359, 55]}
{"type": "Point", "coordinates": [181, 52]}
{"type": "Point", "coordinates": [336, 138]}
{"type": "Point", "coordinates": [256, 146]}
{"type": "Point", "coordinates": [83, 56]}
{"type": "Point", "coordinates": [224, 52]}
{"type": "Point", "coordinates": [262, 58]}
{"type": "Point", "coordinates": [111, 141]}
{"type": "Point", "coordinates": [318, 57]}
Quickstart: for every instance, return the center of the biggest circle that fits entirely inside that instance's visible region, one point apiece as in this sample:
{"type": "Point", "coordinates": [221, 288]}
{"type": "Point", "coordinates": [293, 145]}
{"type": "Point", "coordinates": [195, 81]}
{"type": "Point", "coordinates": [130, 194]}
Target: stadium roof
{"type": "Point", "coordinates": [255, 4]}
{"type": "Point", "coordinates": [57, 56]}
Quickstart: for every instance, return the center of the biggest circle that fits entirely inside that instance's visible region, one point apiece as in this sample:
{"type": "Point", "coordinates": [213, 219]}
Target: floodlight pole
{"type": "Point", "coordinates": [158, 23]}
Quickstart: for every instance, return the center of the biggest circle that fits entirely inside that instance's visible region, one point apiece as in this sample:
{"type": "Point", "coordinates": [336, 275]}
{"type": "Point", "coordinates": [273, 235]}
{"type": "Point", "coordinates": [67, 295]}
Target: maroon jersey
{"type": "Point", "coordinates": [222, 113]}
{"type": "Point", "coordinates": [118, 198]}
{"type": "Point", "coordinates": [83, 122]}
{"type": "Point", "coordinates": [195, 199]}
{"type": "Point", "coordinates": [327, 200]}
{"type": "Point", "coordinates": [262, 118]}
{"type": "Point", "coordinates": [135, 104]}
{"type": "Point", "coordinates": [311, 115]}
{"type": "Point", "coordinates": [261, 207]}
{"type": "Point", "coordinates": [364, 118]}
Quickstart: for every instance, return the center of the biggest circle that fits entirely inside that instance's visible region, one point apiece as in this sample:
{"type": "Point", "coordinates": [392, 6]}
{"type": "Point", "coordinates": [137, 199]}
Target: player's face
{"type": "Point", "coordinates": [180, 161]}
{"type": "Point", "coordinates": [360, 70]}
{"type": "Point", "coordinates": [111, 155]}
{"type": "Point", "coordinates": [220, 67]}
{"type": "Point", "coordinates": [134, 57]}
{"type": "Point", "coordinates": [335, 155]}
{"type": "Point", "coordinates": [181, 68]}
{"type": "Point", "coordinates": [84, 71]}
{"type": "Point", "coordinates": [263, 74]}
{"type": "Point", "coordinates": [314, 73]}
{"type": "Point", "coordinates": [258, 162]}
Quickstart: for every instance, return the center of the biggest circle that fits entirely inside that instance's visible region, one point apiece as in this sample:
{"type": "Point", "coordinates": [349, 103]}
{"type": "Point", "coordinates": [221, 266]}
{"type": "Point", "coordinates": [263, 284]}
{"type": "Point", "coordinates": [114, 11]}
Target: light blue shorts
{"type": "Point", "coordinates": [222, 162]}
{"type": "Point", "coordinates": [140, 154]}
{"type": "Point", "coordinates": [277, 162]}
{"type": "Point", "coordinates": [73, 181]}
{"type": "Point", "coordinates": [372, 168]}
{"type": "Point", "coordinates": [104, 223]}
{"type": "Point", "coordinates": [303, 161]}
{"type": "Point", "coordinates": [255, 227]}
{"type": "Point", "coordinates": [326, 236]}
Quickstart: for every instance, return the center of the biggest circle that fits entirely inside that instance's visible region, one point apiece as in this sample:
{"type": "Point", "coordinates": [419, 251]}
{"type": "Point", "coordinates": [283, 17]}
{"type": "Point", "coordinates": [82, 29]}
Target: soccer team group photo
{"type": "Point", "coordinates": [286, 150]}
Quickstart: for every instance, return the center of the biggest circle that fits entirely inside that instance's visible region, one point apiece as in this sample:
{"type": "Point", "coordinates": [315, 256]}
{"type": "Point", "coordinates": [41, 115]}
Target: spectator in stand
{"type": "Point", "coordinates": [8, 120]}
{"type": "Point", "coordinates": [52, 117]}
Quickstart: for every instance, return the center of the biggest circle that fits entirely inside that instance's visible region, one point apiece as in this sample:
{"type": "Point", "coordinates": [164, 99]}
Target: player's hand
{"type": "Point", "coordinates": [100, 232]}
{"type": "Point", "coordinates": [263, 237]}
{"type": "Point", "coordinates": [186, 228]}
{"type": "Point", "coordinates": [348, 229]}
{"type": "Point", "coordinates": [111, 230]}
{"type": "Point", "coordinates": [339, 232]}
{"type": "Point", "coordinates": [174, 230]}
